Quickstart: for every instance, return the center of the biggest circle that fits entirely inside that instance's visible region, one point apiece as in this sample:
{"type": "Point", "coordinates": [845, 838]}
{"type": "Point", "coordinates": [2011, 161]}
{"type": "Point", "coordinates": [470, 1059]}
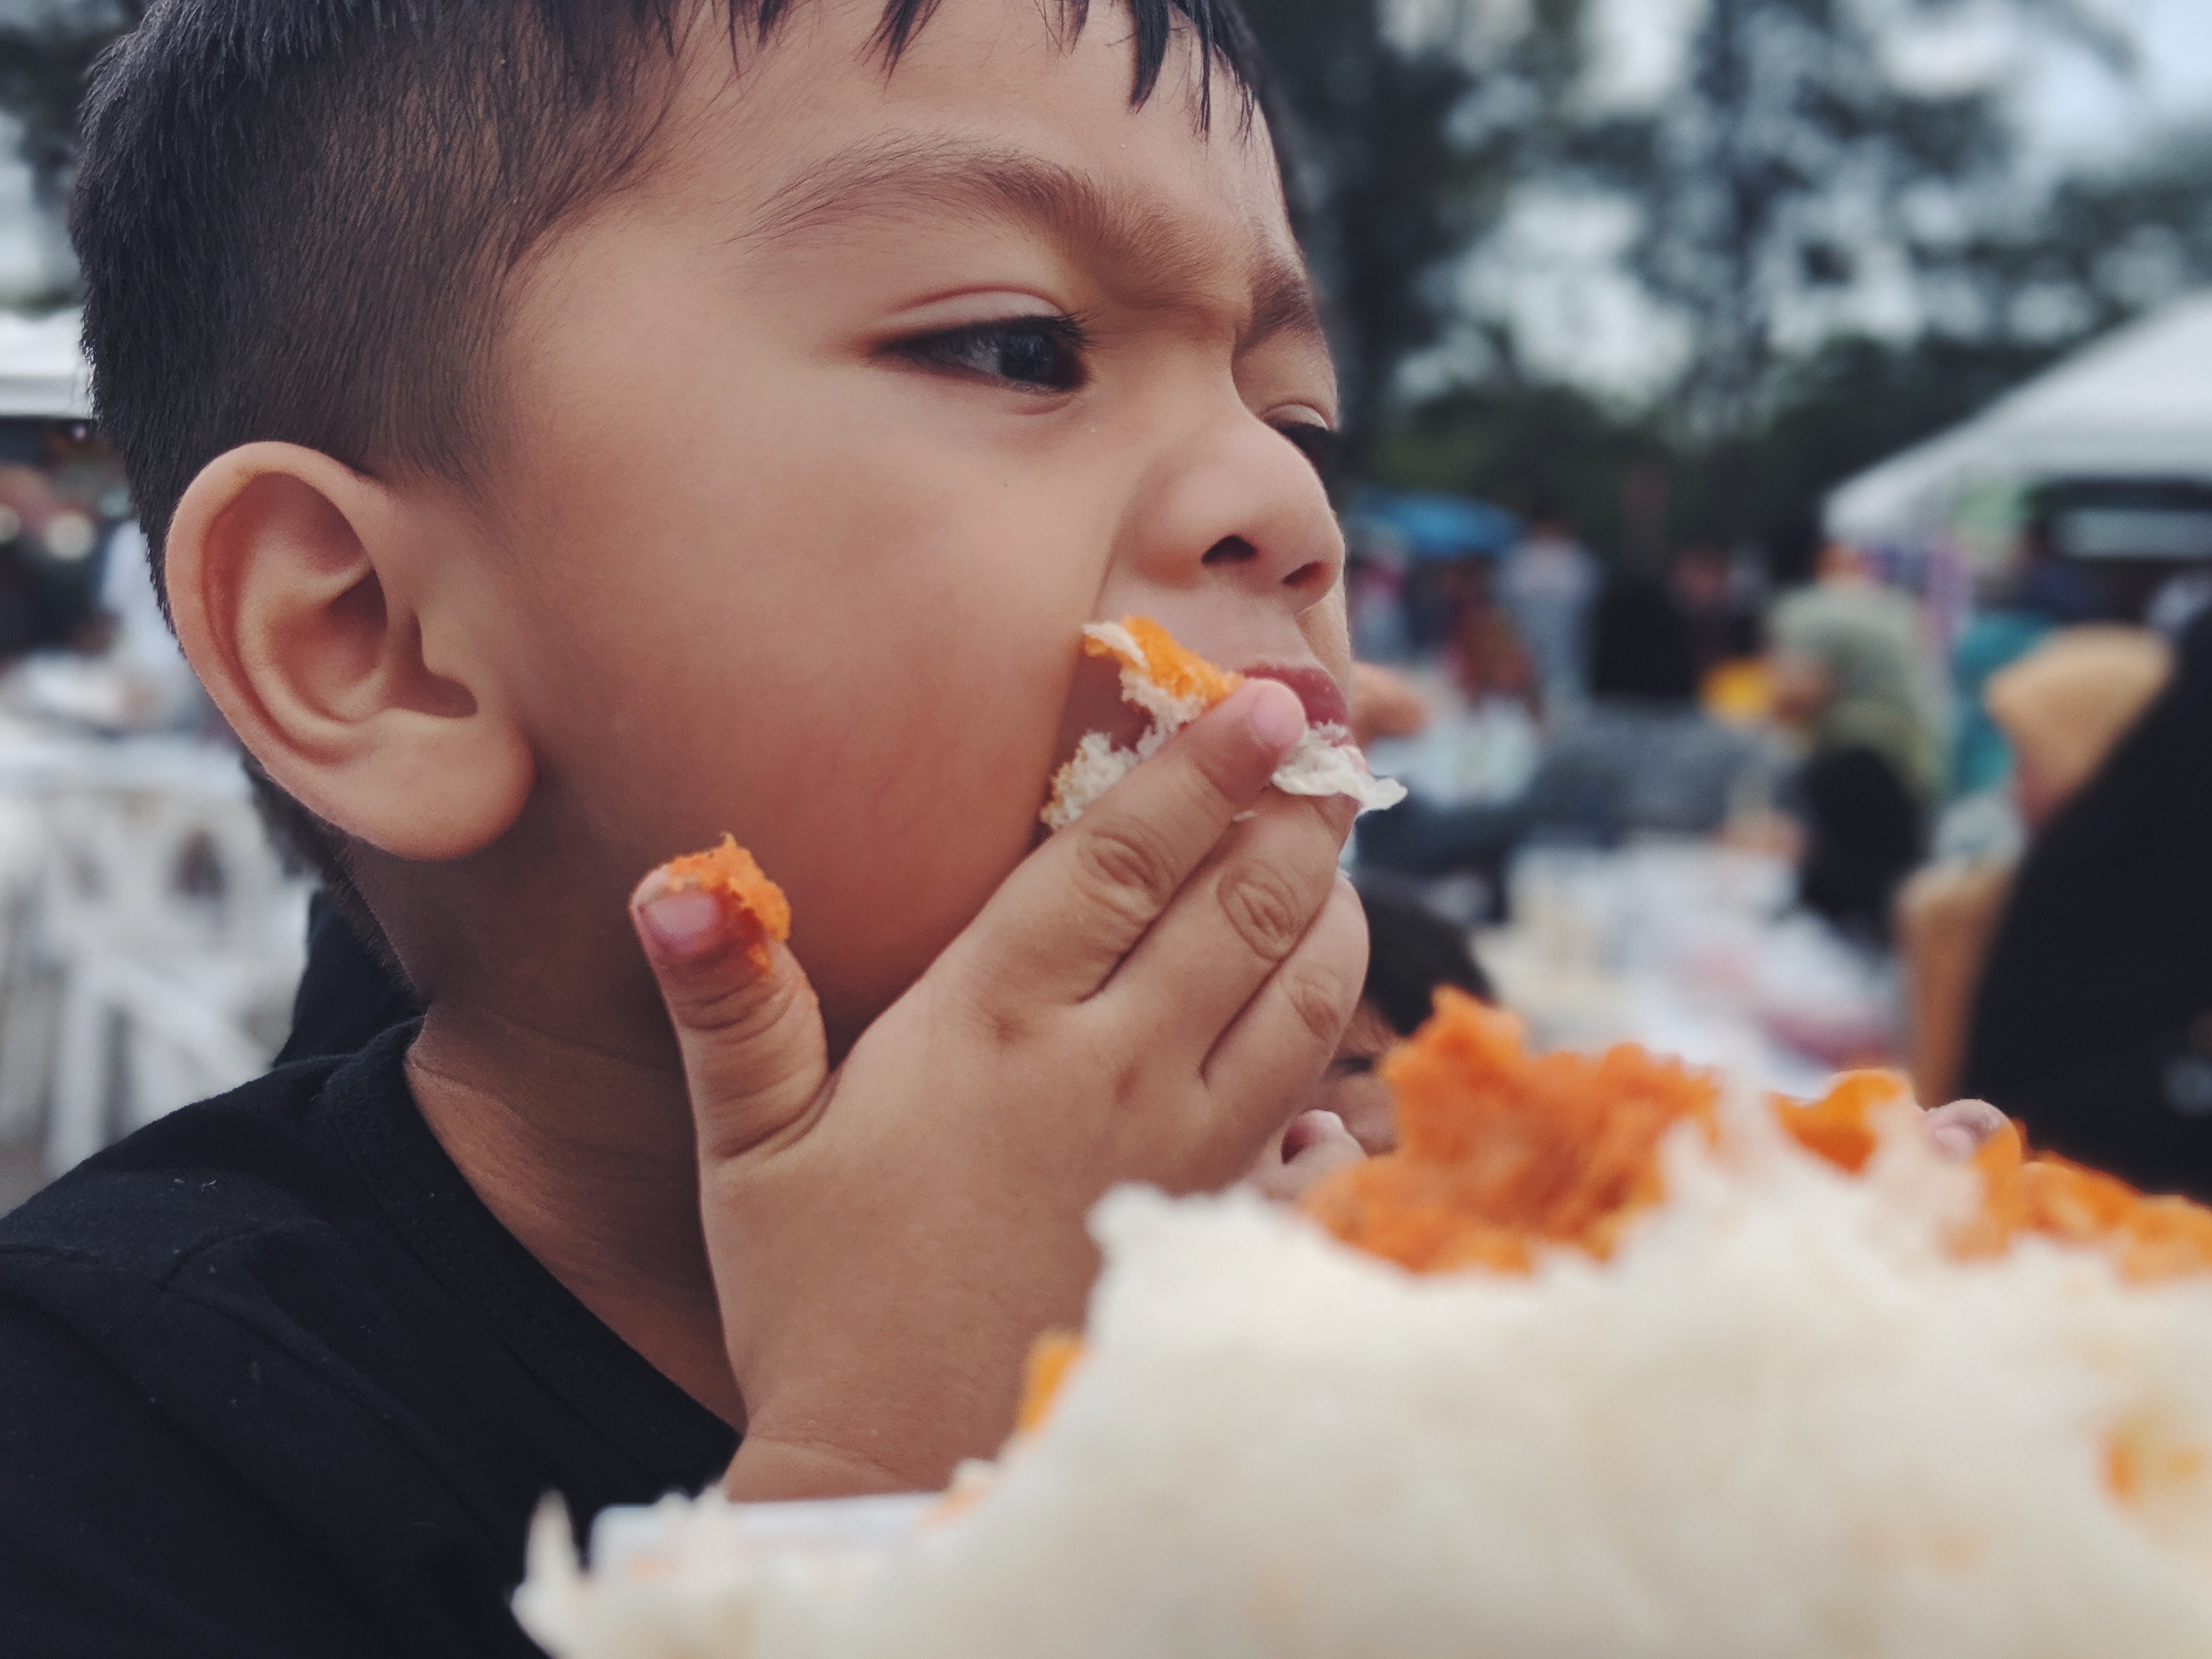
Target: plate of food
{"type": "Point", "coordinates": [1611, 1358]}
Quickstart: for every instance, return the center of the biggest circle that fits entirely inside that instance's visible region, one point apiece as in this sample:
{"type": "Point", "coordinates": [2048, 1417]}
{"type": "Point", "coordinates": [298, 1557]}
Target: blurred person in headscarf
{"type": "Point", "coordinates": [2061, 710]}
{"type": "Point", "coordinates": [2094, 1022]}
{"type": "Point", "coordinates": [1844, 661]}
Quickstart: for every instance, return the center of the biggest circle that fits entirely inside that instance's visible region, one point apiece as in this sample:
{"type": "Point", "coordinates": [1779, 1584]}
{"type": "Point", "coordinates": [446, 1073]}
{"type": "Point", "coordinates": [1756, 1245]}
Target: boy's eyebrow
{"type": "Point", "coordinates": [917, 178]}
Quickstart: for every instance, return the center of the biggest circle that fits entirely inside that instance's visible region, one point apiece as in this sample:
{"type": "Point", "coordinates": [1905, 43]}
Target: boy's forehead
{"type": "Point", "coordinates": [994, 112]}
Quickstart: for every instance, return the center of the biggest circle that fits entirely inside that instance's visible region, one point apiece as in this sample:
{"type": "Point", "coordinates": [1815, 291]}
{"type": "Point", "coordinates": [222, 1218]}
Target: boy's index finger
{"type": "Point", "coordinates": [1065, 919]}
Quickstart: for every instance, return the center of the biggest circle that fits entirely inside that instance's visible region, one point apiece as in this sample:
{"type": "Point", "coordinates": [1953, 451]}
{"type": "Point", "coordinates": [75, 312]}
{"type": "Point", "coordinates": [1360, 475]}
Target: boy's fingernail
{"type": "Point", "coordinates": [681, 925]}
{"type": "Point", "coordinates": [1273, 713]}
{"type": "Point", "coordinates": [691, 905]}
{"type": "Point", "coordinates": [1955, 1140]}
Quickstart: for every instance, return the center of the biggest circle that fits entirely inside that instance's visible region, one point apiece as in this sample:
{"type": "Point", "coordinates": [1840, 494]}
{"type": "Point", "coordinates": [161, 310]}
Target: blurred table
{"type": "Point", "coordinates": [1693, 949]}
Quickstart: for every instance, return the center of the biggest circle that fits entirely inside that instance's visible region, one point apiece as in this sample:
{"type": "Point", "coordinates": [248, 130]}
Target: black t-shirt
{"type": "Point", "coordinates": [274, 1382]}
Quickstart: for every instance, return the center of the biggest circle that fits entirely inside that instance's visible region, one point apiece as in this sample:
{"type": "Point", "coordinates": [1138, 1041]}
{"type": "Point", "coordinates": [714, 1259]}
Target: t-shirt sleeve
{"type": "Point", "coordinates": [119, 1534]}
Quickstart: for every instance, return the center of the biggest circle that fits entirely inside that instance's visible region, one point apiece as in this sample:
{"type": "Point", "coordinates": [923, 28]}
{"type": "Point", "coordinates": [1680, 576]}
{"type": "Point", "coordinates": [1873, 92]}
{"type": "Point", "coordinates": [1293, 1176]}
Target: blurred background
{"type": "Point", "coordinates": [1779, 478]}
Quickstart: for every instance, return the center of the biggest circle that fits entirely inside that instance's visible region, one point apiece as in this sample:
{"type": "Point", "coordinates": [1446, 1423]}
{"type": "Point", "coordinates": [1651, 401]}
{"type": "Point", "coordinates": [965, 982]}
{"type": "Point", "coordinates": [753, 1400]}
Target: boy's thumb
{"type": "Point", "coordinates": [754, 1056]}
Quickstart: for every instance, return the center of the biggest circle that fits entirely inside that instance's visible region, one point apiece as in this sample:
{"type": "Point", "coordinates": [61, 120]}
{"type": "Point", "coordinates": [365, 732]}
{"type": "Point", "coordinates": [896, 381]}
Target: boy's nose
{"type": "Point", "coordinates": [1241, 509]}
{"type": "Point", "coordinates": [1233, 551]}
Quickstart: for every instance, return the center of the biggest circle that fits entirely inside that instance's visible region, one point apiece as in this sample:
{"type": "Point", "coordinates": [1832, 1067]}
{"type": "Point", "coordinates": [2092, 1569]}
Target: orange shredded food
{"type": "Point", "coordinates": [1501, 1153]}
{"type": "Point", "coordinates": [2149, 1238]}
{"type": "Point", "coordinates": [1176, 670]}
{"type": "Point", "coordinates": [731, 873]}
{"type": "Point", "coordinates": [1053, 1358]}
{"type": "Point", "coordinates": [1839, 1127]}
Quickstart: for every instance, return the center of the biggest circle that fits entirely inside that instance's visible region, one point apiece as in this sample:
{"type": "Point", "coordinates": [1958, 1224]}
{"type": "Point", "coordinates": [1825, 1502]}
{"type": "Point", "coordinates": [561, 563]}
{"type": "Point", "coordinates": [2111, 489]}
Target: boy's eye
{"type": "Point", "coordinates": [1320, 445]}
{"type": "Point", "coordinates": [1044, 354]}
{"type": "Point", "coordinates": [1352, 1065]}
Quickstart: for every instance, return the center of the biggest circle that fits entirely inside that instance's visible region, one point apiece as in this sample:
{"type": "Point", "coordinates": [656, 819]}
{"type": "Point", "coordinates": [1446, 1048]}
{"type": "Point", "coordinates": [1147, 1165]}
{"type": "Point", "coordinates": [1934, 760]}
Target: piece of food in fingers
{"type": "Point", "coordinates": [1174, 686]}
{"type": "Point", "coordinates": [730, 874]}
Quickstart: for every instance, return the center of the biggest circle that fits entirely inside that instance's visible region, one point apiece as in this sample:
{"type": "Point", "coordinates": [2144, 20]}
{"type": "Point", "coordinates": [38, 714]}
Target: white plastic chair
{"type": "Point", "coordinates": [175, 939]}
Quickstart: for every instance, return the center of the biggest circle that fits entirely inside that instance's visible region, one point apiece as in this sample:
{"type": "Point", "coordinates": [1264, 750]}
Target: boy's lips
{"type": "Point", "coordinates": [1317, 688]}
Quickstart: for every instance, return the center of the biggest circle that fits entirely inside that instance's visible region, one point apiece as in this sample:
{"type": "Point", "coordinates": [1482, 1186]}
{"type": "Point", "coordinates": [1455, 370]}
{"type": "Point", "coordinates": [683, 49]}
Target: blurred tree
{"type": "Point", "coordinates": [2106, 245]}
{"type": "Point", "coordinates": [1403, 151]}
{"type": "Point", "coordinates": [1787, 166]}
{"type": "Point", "coordinates": [1528, 443]}
{"type": "Point", "coordinates": [1774, 172]}
{"type": "Point", "coordinates": [2101, 249]}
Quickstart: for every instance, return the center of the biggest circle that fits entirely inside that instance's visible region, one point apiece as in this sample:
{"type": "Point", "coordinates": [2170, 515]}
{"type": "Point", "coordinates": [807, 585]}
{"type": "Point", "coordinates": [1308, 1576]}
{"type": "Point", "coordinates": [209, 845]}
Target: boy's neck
{"type": "Point", "coordinates": [586, 1155]}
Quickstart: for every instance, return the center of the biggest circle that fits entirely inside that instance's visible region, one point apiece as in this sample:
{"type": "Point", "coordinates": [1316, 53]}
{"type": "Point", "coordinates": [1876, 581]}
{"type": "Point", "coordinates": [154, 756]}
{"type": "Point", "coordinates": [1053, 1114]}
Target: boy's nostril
{"type": "Point", "coordinates": [1306, 575]}
{"type": "Point", "coordinates": [1231, 549]}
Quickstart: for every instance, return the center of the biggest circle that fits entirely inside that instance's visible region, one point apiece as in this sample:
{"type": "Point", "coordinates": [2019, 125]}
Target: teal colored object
{"type": "Point", "coordinates": [1981, 758]}
{"type": "Point", "coordinates": [1435, 528]}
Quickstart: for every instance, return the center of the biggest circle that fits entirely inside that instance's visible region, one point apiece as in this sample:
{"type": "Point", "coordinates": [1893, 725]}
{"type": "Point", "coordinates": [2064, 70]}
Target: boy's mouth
{"type": "Point", "coordinates": [1095, 703]}
{"type": "Point", "coordinates": [1169, 686]}
{"type": "Point", "coordinates": [1317, 688]}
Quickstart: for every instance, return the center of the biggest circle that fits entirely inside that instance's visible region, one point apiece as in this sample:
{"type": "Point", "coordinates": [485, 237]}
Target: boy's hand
{"type": "Point", "coordinates": [1145, 999]}
{"type": "Point", "coordinates": [1313, 1146]}
{"type": "Point", "coordinates": [1959, 1128]}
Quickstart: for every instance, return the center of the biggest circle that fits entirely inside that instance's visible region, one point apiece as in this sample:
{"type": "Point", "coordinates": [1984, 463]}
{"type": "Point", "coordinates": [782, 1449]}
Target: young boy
{"type": "Point", "coordinates": [569, 431]}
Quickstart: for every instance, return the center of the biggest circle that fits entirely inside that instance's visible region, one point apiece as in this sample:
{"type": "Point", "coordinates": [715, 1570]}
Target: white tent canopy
{"type": "Point", "coordinates": [42, 366]}
{"type": "Point", "coordinates": [2136, 405]}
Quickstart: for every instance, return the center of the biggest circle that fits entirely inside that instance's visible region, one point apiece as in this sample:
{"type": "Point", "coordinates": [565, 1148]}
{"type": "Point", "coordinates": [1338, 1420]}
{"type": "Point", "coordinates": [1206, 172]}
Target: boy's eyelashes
{"type": "Point", "coordinates": [1047, 352]}
{"type": "Point", "coordinates": [1037, 354]}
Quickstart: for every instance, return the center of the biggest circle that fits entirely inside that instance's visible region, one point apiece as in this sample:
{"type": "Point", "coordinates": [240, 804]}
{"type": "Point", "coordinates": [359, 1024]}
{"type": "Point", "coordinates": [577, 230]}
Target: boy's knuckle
{"type": "Point", "coordinates": [999, 1024]}
{"type": "Point", "coordinates": [1127, 868]}
{"type": "Point", "coordinates": [1223, 784]}
{"type": "Point", "coordinates": [738, 1013]}
{"type": "Point", "coordinates": [1218, 782]}
{"type": "Point", "coordinates": [1267, 909]}
{"type": "Point", "coordinates": [1322, 999]}
{"type": "Point", "coordinates": [1130, 1085]}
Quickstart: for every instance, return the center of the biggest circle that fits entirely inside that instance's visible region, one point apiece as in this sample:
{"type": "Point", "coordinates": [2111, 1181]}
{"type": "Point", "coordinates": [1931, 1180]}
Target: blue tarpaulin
{"type": "Point", "coordinates": [1433, 526]}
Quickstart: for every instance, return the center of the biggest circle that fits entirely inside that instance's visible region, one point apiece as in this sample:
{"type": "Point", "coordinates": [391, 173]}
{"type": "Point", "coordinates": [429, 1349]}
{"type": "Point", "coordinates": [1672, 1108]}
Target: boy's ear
{"type": "Point", "coordinates": [328, 614]}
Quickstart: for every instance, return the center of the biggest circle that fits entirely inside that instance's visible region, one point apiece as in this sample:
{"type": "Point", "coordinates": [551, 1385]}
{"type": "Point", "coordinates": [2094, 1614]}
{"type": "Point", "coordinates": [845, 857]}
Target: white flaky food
{"type": "Point", "coordinates": [1325, 763]}
{"type": "Point", "coordinates": [1784, 1419]}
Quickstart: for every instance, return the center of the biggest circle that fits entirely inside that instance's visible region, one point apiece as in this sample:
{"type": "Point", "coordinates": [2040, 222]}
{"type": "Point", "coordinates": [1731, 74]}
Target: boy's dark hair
{"type": "Point", "coordinates": [1410, 950]}
{"type": "Point", "coordinates": [298, 219]}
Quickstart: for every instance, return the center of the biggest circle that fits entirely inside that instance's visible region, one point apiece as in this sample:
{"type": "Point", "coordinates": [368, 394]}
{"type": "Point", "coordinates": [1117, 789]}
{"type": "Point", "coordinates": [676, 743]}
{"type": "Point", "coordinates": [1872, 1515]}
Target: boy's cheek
{"type": "Point", "coordinates": [890, 798]}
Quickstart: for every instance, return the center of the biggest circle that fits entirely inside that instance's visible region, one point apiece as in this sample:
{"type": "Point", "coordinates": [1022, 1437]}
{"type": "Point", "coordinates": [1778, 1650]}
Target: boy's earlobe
{"type": "Point", "coordinates": [303, 593]}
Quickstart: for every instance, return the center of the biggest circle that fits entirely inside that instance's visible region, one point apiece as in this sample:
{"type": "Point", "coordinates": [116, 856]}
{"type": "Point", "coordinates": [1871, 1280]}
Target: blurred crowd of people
{"type": "Point", "coordinates": [2015, 807]}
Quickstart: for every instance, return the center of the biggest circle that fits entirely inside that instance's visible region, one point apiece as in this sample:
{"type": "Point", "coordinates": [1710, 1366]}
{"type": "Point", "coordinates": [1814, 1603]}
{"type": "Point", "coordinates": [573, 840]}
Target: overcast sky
{"type": "Point", "coordinates": [2068, 105]}
{"type": "Point", "coordinates": [2077, 110]}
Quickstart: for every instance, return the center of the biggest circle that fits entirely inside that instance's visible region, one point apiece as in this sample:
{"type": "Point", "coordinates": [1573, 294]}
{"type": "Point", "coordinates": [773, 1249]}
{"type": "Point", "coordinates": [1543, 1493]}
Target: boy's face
{"type": "Point", "coordinates": [824, 437]}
